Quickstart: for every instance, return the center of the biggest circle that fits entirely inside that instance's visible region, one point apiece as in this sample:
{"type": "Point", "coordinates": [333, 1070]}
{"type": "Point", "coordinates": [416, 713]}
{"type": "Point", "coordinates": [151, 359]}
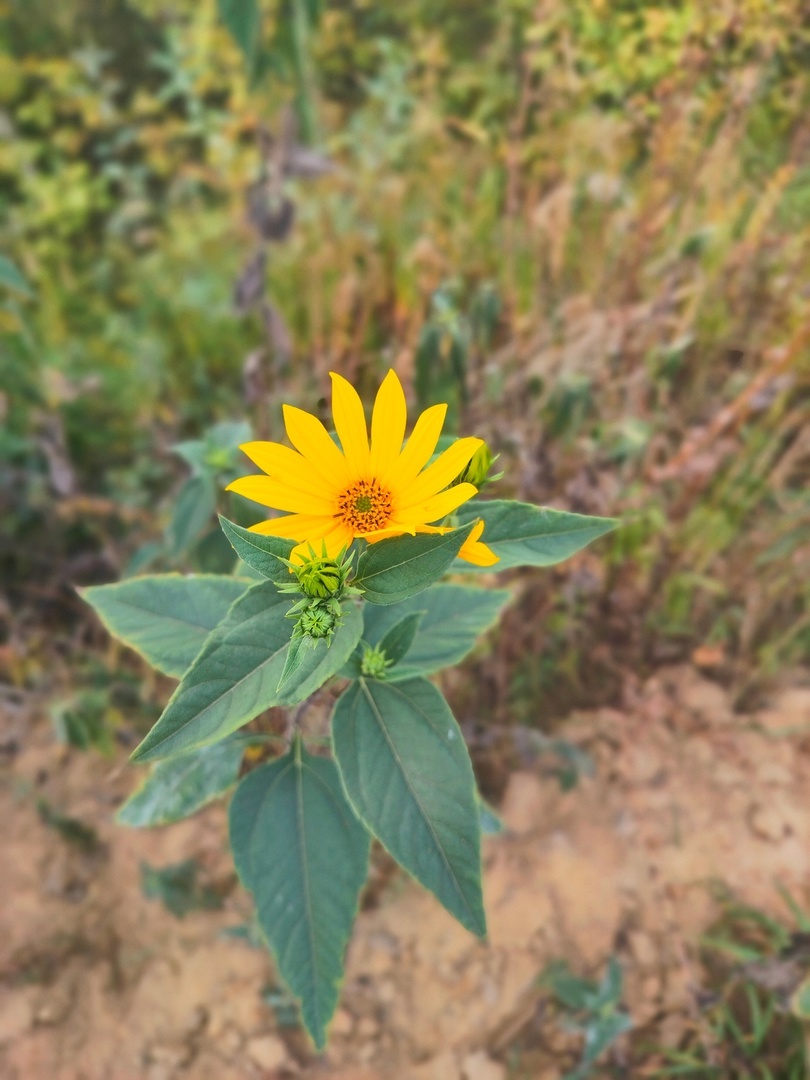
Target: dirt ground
{"type": "Point", "coordinates": [99, 983]}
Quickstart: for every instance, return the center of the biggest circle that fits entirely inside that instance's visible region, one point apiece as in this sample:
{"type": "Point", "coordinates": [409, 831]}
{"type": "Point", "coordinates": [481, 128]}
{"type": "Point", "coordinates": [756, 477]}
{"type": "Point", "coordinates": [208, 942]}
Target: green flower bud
{"type": "Point", "coordinates": [477, 469]}
{"type": "Point", "coordinates": [317, 621]}
{"type": "Point", "coordinates": [320, 578]}
{"type": "Point", "coordinates": [374, 663]}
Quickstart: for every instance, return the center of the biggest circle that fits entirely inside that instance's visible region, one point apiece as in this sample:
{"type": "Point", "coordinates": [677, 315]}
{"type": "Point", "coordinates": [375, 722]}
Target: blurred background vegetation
{"type": "Point", "coordinates": [585, 224]}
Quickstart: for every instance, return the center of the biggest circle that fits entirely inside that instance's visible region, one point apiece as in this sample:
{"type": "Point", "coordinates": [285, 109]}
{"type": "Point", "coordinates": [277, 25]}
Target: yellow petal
{"type": "Point", "coordinates": [387, 424]}
{"type": "Point", "coordinates": [475, 535]}
{"type": "Point", "coordinates": [390, 530]}
{"type": "Point", "coordinates": [417, 528]}
{"type": "Point", "coordinates": [294, 526]}
{"type": "Point", "coordinates": [439, 506]}
{"type": "Point", "coordinates": [335, 539]}
{"type": "Point", "coordinates": [473, 551]}
{"type": "Point", "coordinates": [478, 554]}
{"type": "Point", "coordinates": [268, 492]}
{"type": "Point", "coordinates": [289, 467]}
{"type": "Point", "coordinates": [438, 475]}
{"type": "Point", "coordinates": [340, 537]}
{"type": "Point", "coordinates": [350, 425]}
{"type": "Point", "coordinates": [310, 438]}
{"type": "Point", "coordinates": [418, 449]}
{"type": "Point", "coordinates": [301, 552]}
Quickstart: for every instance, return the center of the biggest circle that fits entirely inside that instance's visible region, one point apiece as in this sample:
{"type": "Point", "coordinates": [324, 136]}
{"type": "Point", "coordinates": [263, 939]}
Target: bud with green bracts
{"type": "Point", "coordinates": [320, 577]}
{"type": "Point", "coordinates": [477, 469]}
{"type": "Point", "coordinates": [316, 618]}
{"type": "Point", "coordinates": [317, 621]}
{"type": "Point", "coordinates": [375, 664]}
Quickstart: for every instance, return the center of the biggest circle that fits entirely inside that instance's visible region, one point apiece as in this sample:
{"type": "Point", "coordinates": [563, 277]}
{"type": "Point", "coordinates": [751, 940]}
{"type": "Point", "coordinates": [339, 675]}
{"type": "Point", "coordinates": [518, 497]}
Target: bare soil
{"type": "Point", "coordinates": [99, 983]}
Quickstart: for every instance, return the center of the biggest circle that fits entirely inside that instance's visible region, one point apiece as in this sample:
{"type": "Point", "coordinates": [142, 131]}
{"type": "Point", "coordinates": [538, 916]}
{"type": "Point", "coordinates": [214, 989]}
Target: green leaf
{"type": "Point", "coordinates": [394, 644]}
{"type": "Point", "coordinates": [217, 451]}
{"type": "Point", "coordinates": [70, 829]}
{"type": "Point", "coordinates": [304, 855]}
{"type": "Point", "coordinates": [601, 1032]}
{"type": "Point", "coordinates": [165, 617]}
{"type": "Point", "coordinates": [741, 954]}
{"type": "Point", "coordinates": [295, 657]}
{"type": "Point", "coordinates": [82, 721]}
{"type": "Point", "coordinates": [609, 990]}
{"type": "Point", "coordinates": [143, 557]}
{"type": "Point", "coordinates": [491, 824]}
{"type": "Point", "coordinates": [243, 20]}
{"type": "Point", "coordinates": [574, 761]}
{"type": "Point", "coordinates": [11, 277]}
{"type": "Point", "coordinates": [799, 914]}
{"type": "Point", "coordinates": [176, 788]}
{"type": "Point", "coordinates": [454, 617]}
{"type": "Point", "coordinates": [262, 553]}
{"type": "Point", "coordinates": [396, 641]}
{"type": "Point", "coordinates": [570, 990]}
{"type": "Point", "coordinates": [408, 775]}
{"type": "Point", "coordinates": [524, 535]}
{"type": "Point", "coordinates": [178, 889]}
{"type": "Point", "coordinates": [395, 569]}
{"type": "Point", "coordinates": [193, 510]}
{"type": "Point", "coordinates": [236, 675]}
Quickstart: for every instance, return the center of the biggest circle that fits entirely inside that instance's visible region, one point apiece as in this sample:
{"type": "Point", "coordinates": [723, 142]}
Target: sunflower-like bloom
{"type": "Point", "coordinates": [370, 489]}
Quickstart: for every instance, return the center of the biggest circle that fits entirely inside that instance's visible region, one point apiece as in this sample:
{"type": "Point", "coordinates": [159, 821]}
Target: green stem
{"type": "Point", "coordinates": [304, 74]}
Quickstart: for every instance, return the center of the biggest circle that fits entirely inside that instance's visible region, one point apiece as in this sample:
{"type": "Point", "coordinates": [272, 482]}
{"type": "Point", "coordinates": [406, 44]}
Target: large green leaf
{"type": "Point", "coordinates": [453, 617]}
{"type": "Point", "coordinates": [262, 553]}
{"type": "Point", "coordinates": [176, 788]}
{"type": "Point", "coordinates": [236, 675]}
{"type": "Point", "coordinates": [393, 570]}
{"type": "Point", "coordinates": [524, 535]}
{"type": "Point", "coordinates": [300, 850]}
{"type": "Point", "coordinates": [165, 617]}
{"type": "Point", "coordinates": [408, 775]}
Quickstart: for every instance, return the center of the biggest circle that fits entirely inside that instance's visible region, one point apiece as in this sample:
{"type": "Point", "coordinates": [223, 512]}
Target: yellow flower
{"type": "Point", "coordinates": [371, 489]}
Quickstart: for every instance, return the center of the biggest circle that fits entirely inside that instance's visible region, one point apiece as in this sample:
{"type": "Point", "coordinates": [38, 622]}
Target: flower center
{"type": "Point", "coordinates": [365, 506]}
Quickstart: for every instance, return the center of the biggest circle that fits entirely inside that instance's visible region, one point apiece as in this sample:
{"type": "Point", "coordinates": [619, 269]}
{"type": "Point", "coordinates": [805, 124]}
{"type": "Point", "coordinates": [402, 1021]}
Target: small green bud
{"type": "Point", "coordinates": [374, 663]}
{"type": "Point", "coordinates": [477, 469]}
{"type": "Point", "coordinates": [317, 621]}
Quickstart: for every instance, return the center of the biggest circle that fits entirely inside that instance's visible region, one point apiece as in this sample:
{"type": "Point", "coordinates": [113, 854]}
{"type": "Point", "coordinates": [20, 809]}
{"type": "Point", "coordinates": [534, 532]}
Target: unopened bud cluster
{"type": "Point", "coordinates": [324, 582]}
